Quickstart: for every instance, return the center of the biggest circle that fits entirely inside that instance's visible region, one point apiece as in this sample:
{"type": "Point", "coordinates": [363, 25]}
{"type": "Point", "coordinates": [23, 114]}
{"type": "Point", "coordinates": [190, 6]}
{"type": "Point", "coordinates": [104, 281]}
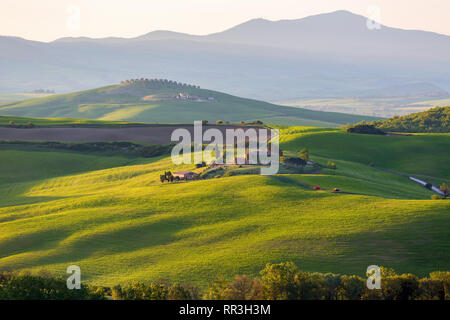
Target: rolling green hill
{"type": "Point", "coordinates": [147, 101]}
{"type": "Point", "coordinates": [422, 154]}
{"type": "Point", "coordinates": [52, 163]}
{"type": "Point", "coordinates": [121, 224]}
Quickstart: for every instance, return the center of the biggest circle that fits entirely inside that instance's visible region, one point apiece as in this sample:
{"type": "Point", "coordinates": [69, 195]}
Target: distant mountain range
{"type": "Point", "coordinates": [326, 55]}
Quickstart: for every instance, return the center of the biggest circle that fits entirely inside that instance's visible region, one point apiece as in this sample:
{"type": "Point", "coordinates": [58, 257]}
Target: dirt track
{"type": "Point", "coordinates": [157, 134]}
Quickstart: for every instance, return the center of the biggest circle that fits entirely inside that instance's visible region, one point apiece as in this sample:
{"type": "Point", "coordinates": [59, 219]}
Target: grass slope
{"type": "Point", "coordinates": [422, 154]}
{"type": "Point", "coordinates": [17, 96]}
{"type": "Point", "coordinates": [35, 163]}
{"type": "Point", "coordinates": [59, 122]}
{"type": "Point", "coordinates": [124, 102]}
{"type": "Point", "coordinates": [122, 224]}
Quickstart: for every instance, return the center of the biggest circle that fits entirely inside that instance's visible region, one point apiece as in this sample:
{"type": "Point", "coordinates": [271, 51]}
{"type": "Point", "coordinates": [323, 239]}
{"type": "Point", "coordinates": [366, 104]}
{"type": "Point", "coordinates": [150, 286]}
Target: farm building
{"type": "Point", "coordinates": [185, 175]}
{"type": "Point", "coordinates": [240, 161]}
{"type": "Point", "coordinates": [250, 158]}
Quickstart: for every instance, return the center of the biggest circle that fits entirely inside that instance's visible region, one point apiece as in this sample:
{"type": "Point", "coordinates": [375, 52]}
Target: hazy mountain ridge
{"type": "Point", "coordinates": [330, 54]}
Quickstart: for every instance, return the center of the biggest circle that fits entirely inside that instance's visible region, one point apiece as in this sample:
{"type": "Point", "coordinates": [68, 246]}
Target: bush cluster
{"type": "Point", "coordinates": [282, 281]}
{"type": "Point", "coordinates": [365, 129]}
{"type": "Point", "coordinates": [433, 120]}
{"type": "Point", "coordinates": [25, 286]}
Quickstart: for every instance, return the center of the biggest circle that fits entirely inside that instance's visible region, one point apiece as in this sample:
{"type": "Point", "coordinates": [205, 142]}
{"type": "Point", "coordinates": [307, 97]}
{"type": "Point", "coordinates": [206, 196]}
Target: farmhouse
{"type": "Point", "coordinates": [250, 158]}
{"type": "Point", "coordinates": [240, 161]}
{"type": "Point", "coordinates": [192, 97]}
{"type": "Point", "coordinates": [185, 175]}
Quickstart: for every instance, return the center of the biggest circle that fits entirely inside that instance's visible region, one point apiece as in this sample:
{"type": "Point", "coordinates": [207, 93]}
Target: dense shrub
{"type": "Point", "coordinates": [241, 288]}
{"type": "Point", "coordinates": [140, 291]}
{"type": "Point", "coordinates": [183, 292]}
{"type": "Point", "coordinates": [431, 289]}
{"type": "Point", "coordinates": [293, 161]}
{"type": "Point", "coordinates": [280, 281]}
{"type": "Point", "coordinates": [277, 282]}
{"type": "Point", "coordinates": [155, 291]}
{"type": "Point", "coordinates": [400, 287]}
{"type": "Point", "coordinates": [444, 277]}
{"type": "Point", "coordinates": [331, 165]}
{"type": "Point", "coordinates": [445, 189]}
{"type": "Point", "coordinates": [14, 286]}
{"type": "Point", "coordinates": [351, 288]}
{"type": "Point", "coordinates": [433, 120]}
{"type": "Point", "coordinates": [365, 129]}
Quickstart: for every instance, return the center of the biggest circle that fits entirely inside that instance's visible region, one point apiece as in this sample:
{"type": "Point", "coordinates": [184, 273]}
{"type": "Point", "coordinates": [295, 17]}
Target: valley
{"type": "Point", "coordinates": [115, 219]}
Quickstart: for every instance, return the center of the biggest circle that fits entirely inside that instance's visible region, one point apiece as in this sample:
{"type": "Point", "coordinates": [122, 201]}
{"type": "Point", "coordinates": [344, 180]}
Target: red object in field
{"type": "Point", "coordinates": [316, 188]}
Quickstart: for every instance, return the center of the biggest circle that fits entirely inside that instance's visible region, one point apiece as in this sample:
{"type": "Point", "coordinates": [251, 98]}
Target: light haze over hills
{"type": "Point", "coordinates": [326, 55]}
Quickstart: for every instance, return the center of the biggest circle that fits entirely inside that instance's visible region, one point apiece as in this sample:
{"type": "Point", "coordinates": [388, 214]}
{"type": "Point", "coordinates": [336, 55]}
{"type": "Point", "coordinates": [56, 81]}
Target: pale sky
{"type": "Point", "coordinates": [47, 20]}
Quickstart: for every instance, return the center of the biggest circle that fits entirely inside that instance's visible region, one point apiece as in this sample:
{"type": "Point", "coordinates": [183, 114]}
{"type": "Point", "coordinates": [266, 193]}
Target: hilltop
{"type": "Point", "coordinates": [165, 101]}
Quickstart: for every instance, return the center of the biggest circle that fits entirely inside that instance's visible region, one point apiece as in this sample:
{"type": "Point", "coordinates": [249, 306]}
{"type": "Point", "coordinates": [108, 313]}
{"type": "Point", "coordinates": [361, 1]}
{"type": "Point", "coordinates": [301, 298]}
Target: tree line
{"type": "Point", "coordinates": [282, 281]}
{"type": "Point", "coordinates": [159, 83]}
{"type": "Point", "coordinates": [433, 120]}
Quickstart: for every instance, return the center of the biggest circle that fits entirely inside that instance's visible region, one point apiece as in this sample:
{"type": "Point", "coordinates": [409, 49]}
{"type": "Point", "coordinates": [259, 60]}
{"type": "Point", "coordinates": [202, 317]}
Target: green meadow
{"type": "Point", "coordinates": [137, 103]}
{"type": "Point", "coordinates": [423, 154]}
{"type": "Point", "coordinates": [5, 121]}
{"type": "Point", "coordinates": [111, 215]}
{"type": "Point", "coordinates": [36, 164]}
{"type": "Point", "coordinates": [17, 96]}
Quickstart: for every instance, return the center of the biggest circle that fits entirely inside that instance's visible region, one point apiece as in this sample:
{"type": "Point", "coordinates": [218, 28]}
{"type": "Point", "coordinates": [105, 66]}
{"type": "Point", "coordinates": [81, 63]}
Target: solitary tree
{"type": "Point", "coordinates": [304, 154]}
{"type": "Point", "coordinates": [444, 188]}
{"type": "Point", "coordinates": [331, 164]}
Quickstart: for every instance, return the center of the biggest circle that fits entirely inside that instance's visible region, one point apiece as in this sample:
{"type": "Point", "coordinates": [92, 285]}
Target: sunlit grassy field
{"type": "Point", "coordinates": [426, 154]}
{"type": "Point", "coordinates": [127, 102]}
{"type": "Point", "coordinates": [34, 163]}
{"type": "Point", "coordinates": [60, 122]}
{"type": "Point", "coordinates": [121, 224]}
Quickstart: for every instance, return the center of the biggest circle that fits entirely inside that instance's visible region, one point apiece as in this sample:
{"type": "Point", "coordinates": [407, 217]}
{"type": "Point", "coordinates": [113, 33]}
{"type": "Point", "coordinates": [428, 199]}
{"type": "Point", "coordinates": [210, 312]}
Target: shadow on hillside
{"type": "Point", "coordinates": [417, 247]}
